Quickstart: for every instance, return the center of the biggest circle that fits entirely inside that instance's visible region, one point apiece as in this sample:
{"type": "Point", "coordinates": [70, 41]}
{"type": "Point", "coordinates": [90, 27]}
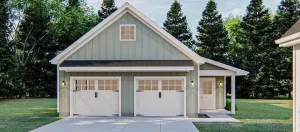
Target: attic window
{"type": "Point", "coordinates": [127, 32]}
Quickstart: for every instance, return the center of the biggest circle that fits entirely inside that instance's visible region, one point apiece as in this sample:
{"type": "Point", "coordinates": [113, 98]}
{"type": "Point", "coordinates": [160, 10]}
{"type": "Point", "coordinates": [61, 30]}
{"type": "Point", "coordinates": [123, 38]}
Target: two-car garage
{"type": "Point", "coordinates": [102, 96]}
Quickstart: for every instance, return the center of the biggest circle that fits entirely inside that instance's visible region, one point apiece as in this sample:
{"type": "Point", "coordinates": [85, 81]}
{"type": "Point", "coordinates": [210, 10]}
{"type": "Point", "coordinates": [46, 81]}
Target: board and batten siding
{"type": "Point", "coordinates": [208, 66]}
{"type": "Point", "coordinates": [148, 45]}
{"type": "Point", "coordinates": [127, 89]}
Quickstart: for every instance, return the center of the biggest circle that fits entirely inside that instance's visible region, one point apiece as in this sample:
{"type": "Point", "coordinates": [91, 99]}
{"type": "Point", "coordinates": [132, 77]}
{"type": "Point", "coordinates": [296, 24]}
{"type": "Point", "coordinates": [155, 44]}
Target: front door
{"type": "Point", "coordinates": [207, 93]}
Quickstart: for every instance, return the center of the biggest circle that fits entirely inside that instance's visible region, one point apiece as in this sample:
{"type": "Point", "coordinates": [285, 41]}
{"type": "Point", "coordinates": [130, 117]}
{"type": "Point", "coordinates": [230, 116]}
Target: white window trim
{"type": "Point", "coordinates": [134, 32]}
{"type": "Point", "coordinates": [93, 78]}
{"type": "Point", "coordinates": [136, 78]}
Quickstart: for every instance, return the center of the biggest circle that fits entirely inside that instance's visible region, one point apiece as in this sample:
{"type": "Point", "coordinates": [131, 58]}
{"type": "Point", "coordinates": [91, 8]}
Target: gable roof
{"type": "Point", "coordinates": [291, 37]}
{"type": "Point", "coordinates": [127, 8]}
{"type": "Point", "coordinates": [294, 29]}
{"type": "Point", "coordinates": [112, 18]}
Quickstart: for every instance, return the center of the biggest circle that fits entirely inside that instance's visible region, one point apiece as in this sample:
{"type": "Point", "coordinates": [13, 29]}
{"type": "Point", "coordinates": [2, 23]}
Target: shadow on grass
{"type": "Point", "coordinates": [262, 110]}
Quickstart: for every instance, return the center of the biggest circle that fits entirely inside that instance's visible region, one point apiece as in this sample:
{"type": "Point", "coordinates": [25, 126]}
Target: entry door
{"type": "Point", "coordinates": [160, 97]}
{"type": "Point", "coordinates": [208, 93]}
{"type": "Point", "coordinates": [99, 97]}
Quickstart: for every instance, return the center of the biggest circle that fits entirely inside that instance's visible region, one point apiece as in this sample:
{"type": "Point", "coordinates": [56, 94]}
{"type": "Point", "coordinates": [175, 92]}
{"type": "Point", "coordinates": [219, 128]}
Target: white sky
{"type": "Point", "coordinates": [157, 9]}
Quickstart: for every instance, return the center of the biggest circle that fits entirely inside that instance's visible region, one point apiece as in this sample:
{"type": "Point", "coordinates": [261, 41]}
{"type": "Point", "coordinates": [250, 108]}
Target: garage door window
{"type": "Point", "coordinates": [108, 85]}
{"type": "Point", "coordinates": [148, 84]}
{"type": "Point", "coordinates": [172, 84]}
{"type": "Point", "coordinates": [84, 85]}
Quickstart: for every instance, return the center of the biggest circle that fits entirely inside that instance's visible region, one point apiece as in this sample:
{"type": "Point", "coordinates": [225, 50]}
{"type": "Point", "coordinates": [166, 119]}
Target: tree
{"type": "Point", "coordinates": [255, 39]}
{"type": "Point", "coordinates": [6, 56]}
{"type": "Point", "coordinates": [107, 8]}
{"type": "Point", "coordinates": [73, 3]}
{"type": "Point", "coordinates": [233, 26]}
{"type": "Point", "coordinates": [287, 15]}
{"type": "Point", "coordinates": [176, 24]}
{"type": "Point", "coordinates": [212, 34]}
{"type": "Point", "coordinates": [70, 23]}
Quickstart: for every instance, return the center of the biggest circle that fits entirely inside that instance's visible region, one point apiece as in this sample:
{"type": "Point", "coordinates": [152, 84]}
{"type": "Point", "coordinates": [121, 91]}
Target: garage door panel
{"type": "Point", "coordinates": [160, 97]}
{"type": "Point", "coordinates": [96, 97]}
{"type": "Point", "coordinates": [147, 103]}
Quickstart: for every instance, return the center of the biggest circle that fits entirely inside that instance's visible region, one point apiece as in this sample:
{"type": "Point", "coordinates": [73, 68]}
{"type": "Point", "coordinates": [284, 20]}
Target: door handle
{"type": "Point", "coordinates": [96, 94]}
{"type": "Point", "coordinates": [159, 95]}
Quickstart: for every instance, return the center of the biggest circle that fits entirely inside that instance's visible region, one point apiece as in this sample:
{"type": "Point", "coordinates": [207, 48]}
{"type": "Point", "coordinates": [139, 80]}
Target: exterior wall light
{"type": "Point", "coordinates": [192, 83]}
{"type": "Point", "coordinates": [63, 83]}
{"type": "Point", "coordinates": [221, 84]}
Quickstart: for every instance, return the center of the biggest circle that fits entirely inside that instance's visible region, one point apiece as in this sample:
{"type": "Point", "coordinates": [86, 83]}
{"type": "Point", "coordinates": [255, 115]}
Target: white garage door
{"type": "Point", "coordinates": [96, 96]}
{"type": "Point", "coordinates": [160, 97]}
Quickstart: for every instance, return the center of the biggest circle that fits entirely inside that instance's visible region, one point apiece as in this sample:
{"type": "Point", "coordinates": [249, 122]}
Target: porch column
{"type": "Point", "coordinates": [224, 91]}
{"type": "Point", "coordinates": [232, 94]}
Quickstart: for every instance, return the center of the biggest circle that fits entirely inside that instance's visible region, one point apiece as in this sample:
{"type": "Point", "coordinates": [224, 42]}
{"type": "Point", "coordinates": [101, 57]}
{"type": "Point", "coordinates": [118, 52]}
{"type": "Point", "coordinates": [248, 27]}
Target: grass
{"type": "Point", "coordinates": [21, 115]}
{"type": "Point", "coordinates": [257, 115]}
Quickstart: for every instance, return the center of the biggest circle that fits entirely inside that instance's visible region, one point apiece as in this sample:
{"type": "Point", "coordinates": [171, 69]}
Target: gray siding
{"type": "Point", "coordinates": [148, 45]}
{"type": "Point", "coordinates": [127, 89]}
{"type": "Point", "coordinates": [208, 66]}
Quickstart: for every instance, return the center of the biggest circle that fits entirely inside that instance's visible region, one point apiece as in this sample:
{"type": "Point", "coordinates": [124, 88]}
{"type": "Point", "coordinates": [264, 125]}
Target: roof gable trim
{"type": "Point", "coordinates": [126, 8]}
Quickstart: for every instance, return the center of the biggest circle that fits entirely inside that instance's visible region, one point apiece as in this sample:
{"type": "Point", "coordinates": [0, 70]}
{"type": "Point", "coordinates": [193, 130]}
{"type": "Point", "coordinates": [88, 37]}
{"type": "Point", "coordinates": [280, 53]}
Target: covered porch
{"type": "Point", "coordinates": [212, 87]}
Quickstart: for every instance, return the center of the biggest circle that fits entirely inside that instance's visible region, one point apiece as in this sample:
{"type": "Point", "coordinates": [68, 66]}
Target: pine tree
{"type": "Point", "coordinates": [73, 3]}
{"type": "Point", "coordinates": [108, 7]}
{"type": "Point", "coordinates": [176, 24]}
{"type": "Point", "coordinates": [6, 56]}
{"type": "Point", "coordinates": [287, 15]}
{"type": "Point", "coordinates": [255, 39]}
{"type": "Point", "coordinates": [212, 34]}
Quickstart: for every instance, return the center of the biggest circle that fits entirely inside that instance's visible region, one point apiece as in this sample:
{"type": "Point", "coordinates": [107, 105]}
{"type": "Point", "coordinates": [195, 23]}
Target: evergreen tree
{"type": "Point", "coordinates": [255, 38]}
{"type": "Point", "coordinates": [74, 3]}
{"type": "Point", "coordinates": [108, 7]}
{"type": "Point", "coordinates": [176, 24]}
{"type": "Point", "coordinates": [287, 15]}
{"type": "Point", "coordinates": [212, 34]}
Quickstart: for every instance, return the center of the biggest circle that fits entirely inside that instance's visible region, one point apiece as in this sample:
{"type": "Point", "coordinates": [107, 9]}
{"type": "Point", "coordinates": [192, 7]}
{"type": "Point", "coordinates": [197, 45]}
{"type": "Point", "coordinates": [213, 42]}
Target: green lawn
{"type": "Point", "coordinates": [256, 116]}
{"type": "Point", "coordinates": [22, 115]}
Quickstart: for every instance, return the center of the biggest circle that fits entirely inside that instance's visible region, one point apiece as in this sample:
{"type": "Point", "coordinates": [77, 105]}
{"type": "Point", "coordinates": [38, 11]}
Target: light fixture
{"type": "Point", "coordinates": [63, 83]}
{"type": "Point", "coordinates": [220, 84]}
{"type": "Point", "coordinates": [192, 83]}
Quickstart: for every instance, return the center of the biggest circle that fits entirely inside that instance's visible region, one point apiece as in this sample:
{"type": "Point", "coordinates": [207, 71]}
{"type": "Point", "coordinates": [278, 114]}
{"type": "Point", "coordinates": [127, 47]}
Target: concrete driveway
{"type": "Point", "coordinates": [119, 124]}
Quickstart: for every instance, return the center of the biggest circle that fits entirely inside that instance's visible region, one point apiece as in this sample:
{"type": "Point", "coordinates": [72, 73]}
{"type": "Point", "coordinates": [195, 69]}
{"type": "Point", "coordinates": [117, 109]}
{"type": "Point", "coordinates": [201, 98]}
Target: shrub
{"type": "Point", "coordinates": [228, 105]}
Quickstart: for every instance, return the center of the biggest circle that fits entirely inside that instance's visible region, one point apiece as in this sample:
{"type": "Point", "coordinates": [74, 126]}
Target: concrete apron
{"type": "Point", "coordinates": [120, 124]}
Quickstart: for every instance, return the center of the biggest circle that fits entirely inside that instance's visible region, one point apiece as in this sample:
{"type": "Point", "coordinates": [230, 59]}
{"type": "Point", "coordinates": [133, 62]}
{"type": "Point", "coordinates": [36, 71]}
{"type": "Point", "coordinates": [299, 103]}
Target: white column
{"type": "Point", "coordinates": [232, 94]}
{"type": "Point", "coordinates": [224, 90]}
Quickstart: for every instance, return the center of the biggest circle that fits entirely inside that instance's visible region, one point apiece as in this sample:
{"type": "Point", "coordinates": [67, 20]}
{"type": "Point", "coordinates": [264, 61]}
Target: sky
{"type": "Point", "coordinates": [157, 9]}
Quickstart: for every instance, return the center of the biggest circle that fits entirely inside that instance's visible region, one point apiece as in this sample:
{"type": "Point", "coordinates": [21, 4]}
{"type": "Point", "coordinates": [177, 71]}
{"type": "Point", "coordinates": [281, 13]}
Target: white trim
{"type": "Point", "coordinates": [224, 91]}
{"type": "Point", "coordinates": [125, 69]}
{"type": "Point", "coordinates": [93, 77]}
{"type": "Point", "coordinates": [134, 32]}
{"type": "Point", "coordinates": [290, 43]}
{"type": "Point", "coordinates": [288, 38]}
{"type": "Point", "coordinates": [112, 18]}
{"type": "Point", "coordinates": [127, 8]}
{"type": "Point", "coordinates": [57, 88]}
{"type": "Point", "coordinates": [198, 102]}
{"type": "Point", "coordinates": [216, 73]}
{"type": "Point", "coordinates": [239, 72]}
{"type": "Point", "coordinates": [160, 78]}
{"type": "Point", "coordinates": [232, 94]}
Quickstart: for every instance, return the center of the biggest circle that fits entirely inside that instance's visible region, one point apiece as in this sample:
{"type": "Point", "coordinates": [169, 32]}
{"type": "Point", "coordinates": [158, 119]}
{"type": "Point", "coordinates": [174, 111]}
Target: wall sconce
{"type": "Point", "coordinates": [63, 83]}
{"type": "Point", "coordinates": [192, 83]}
{"type": "Point", "coordinates": [221, 84]}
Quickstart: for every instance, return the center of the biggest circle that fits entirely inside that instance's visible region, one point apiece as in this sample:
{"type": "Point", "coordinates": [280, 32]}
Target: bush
{"type": "Point", "coordinates": [228, 105]}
